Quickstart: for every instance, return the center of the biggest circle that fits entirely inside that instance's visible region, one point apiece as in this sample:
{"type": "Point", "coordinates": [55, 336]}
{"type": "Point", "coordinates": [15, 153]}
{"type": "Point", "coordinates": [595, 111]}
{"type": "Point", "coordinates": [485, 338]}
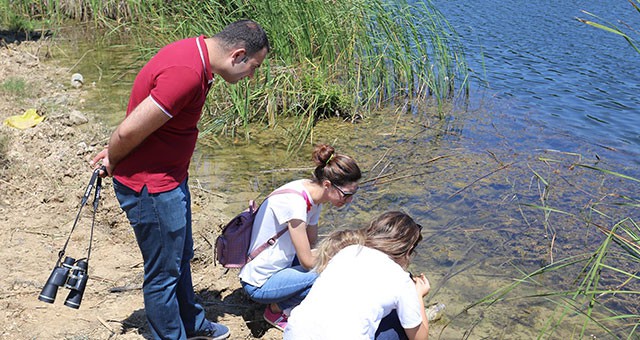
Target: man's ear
{"type": "Point", "coordinates": [239, 56]}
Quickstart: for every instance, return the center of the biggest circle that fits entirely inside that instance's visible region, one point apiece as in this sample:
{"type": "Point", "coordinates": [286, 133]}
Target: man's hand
{"type": "Point", "coordinates": [102, 158]}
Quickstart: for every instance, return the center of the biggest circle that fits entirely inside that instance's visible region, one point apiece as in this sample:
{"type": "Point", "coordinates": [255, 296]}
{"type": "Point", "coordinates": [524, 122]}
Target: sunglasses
{"type": "Point", "coordinates": [413, 249]}
{"type": "Point", "coordinates": [345, 195]}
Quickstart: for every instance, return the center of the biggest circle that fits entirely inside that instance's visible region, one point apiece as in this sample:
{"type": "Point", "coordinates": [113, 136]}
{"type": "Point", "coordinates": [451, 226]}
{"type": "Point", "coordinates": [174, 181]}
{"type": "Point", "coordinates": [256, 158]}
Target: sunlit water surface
{"type": "Point", "coordinates": [473, 181]}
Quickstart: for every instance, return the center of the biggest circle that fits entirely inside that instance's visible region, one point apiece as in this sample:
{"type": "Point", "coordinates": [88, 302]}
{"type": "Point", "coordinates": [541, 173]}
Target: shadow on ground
{"type": "Point", "coordinates": [16, 37]}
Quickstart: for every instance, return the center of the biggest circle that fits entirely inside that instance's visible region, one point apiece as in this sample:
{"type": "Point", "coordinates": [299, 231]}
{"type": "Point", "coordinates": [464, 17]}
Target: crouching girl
{"type": "Point", "coordinates": [281, 275]}
{"type": "Point", "coordinates": [363, 280]}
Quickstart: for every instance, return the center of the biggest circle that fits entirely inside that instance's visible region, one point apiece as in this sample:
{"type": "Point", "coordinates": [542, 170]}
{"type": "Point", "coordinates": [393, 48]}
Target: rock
{"type": "Point", "coordinates": [435, 311]}
{"type": "Point", "coordinates": [76, 118]}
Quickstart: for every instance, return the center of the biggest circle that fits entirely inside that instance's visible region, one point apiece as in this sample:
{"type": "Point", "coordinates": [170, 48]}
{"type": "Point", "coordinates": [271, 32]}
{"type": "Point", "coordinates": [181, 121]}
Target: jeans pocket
{"type": "Point", "coordinates": [128, 199]}
{"type": "Point", "coordinates": [121, 188]}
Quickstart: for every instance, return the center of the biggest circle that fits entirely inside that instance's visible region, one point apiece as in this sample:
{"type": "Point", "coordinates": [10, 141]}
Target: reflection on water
{"type": "Point", "coordinates": [476, 182]}
{"type": "Point", "coordinates": [108, 72]}
{"type": "Point", "coordinates": [569, 77]}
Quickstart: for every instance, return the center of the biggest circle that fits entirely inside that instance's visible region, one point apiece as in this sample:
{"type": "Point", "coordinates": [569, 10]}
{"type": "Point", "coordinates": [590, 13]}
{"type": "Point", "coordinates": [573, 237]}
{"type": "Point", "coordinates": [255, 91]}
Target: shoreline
{"type": "Point", "coordinates": [44, 172]}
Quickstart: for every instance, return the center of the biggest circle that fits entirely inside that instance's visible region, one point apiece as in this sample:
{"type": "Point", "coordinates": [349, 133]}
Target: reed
{"type": "Point", "coordinates": [330, 58]}
{"type": "Point", "coordinates": [100, 12]}
{"type": "Point", "coordinates": [606, 285]}
{"type": "Point", "coordinates": [613, 28]}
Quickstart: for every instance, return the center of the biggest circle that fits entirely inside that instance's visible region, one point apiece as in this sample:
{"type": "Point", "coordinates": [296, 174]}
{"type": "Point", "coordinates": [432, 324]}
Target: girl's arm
{"type": "Point", "coordinates": [421, 332]}
{"type": "Point", "coordinates": [312, 235]}
{"type": "Point", "coordinates": [301, 241]}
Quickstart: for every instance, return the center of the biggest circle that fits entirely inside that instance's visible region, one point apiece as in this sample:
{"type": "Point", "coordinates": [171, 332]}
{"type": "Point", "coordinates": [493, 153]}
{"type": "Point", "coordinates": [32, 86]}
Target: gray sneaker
{"type": "Point", "coordinates": [214, 331]}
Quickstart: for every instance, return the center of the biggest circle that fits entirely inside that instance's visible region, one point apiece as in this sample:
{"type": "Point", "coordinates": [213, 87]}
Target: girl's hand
{"type": "Point", "coordinates": [422, 284]}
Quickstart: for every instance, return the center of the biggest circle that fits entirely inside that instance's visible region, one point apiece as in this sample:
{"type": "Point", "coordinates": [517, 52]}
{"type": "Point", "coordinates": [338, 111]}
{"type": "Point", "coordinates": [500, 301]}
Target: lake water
{"type": "Point", "coordinates": [540, 62]}
{"type": "Point", "coordinates": [556, 88]}
{"type": "Point", "coordinates": [499, 186]}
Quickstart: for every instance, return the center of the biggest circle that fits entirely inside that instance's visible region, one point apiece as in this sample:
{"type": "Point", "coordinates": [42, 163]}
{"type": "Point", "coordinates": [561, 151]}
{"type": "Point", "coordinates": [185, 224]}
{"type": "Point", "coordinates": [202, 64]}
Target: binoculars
{"type": "Point", "coordinates": [70, 274]}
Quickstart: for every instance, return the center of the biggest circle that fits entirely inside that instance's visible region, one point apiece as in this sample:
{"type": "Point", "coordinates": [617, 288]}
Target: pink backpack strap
{"type": "Point", "coordinates": [273, 239]}
{"type": "Point", "coordinates": [267, 244]}
{"type": "Point", "coordinates": [292, 191]}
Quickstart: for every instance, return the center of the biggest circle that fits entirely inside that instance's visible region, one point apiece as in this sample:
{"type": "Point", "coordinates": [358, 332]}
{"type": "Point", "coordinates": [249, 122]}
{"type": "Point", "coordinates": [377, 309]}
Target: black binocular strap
{"type": "Point", "coordinates": [97, 181]}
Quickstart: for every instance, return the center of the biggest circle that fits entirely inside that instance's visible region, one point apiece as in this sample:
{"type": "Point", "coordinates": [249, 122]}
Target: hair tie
{"type": "Point", "coordinates": [329, 160]}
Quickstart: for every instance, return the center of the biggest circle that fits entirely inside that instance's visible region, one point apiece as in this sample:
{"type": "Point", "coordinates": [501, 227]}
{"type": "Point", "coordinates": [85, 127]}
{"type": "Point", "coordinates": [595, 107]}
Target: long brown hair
{"type": "Point", "coordinates": [393, 233]}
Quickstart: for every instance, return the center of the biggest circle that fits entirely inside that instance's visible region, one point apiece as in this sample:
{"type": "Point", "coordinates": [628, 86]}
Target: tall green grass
{"type": "Point", "coordinates": [101, 12]}
{"type": "Point", "coordinates": [335, 58]}
{"type": "Point", "coordinates": [329, 58]}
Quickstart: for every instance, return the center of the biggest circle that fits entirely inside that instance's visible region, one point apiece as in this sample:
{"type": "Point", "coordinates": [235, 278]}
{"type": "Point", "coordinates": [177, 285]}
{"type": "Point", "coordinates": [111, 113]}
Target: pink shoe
{"type": "Point", "coordinates": [277, 320]}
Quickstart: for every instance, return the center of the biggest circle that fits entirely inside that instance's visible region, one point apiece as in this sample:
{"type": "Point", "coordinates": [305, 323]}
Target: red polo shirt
{"type": "Point", "coordinates": [178, 79]}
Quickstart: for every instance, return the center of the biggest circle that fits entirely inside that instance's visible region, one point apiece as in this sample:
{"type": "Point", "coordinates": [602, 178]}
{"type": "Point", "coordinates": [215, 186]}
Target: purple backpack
{"type": "Point", "coordinates": [232, 246]}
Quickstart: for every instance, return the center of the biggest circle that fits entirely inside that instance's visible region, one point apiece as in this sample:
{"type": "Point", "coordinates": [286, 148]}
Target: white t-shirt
{"type": "Point", "coordinates": [357, 289]}
{"type": "Point", "coordinates": [274, 214]}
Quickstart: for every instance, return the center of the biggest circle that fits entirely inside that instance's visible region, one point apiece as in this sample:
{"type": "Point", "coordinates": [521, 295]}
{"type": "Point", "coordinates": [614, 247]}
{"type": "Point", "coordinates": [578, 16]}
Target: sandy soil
{"type": "Point", "coordinates": [43, 174]}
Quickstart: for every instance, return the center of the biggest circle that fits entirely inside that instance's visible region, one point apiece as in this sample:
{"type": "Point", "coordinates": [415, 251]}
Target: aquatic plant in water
{"type": "Point", "coordinates": [606, 287]}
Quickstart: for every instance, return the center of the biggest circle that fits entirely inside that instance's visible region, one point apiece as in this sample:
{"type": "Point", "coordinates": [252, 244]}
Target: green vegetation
{"type": "Point", "coordinates": [611, 27]}
{"type": "Point", "coordinates": [13, 86]}
{"type": "Point", "coordinates": [13, 20]}
{"type": "Point", "coordinates": [606, 287]}
{"type": "Point", "coordinates": [17, 88]}
{"type": "Point", "coordinates": [329, 58]}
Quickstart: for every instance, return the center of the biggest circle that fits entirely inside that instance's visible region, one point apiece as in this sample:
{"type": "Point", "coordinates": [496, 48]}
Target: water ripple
{"type": "Point", "coordinates": [564, 74]}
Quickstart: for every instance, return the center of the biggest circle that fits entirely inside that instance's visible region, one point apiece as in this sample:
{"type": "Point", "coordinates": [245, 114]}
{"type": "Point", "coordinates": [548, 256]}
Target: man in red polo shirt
{"type": "Point", "coordinates": [148, 156]}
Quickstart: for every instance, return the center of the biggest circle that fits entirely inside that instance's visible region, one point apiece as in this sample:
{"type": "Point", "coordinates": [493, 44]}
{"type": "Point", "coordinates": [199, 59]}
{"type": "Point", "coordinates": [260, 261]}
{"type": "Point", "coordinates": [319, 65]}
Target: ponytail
{"type": "Point", "coordinates": [337, 168]}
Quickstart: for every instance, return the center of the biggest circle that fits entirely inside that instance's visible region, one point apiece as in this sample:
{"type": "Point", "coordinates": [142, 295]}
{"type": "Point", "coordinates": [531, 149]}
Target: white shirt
{"type": "Point", "coordinates": [357, 289]}
{"type": "Point", "coordinates": [274, 214]}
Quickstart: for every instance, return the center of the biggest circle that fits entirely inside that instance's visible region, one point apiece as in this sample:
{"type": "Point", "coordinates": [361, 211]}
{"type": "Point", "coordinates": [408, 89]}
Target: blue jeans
{"type": "Point", "coordinates": [390, 328]}
{"type": "Point", "coordinates": [162, 225]}
{"type": "Point", "coordinates": [287, 288]}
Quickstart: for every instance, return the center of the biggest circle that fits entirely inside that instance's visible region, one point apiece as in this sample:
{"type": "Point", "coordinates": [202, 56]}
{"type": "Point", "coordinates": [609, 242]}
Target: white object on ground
{"type": "Point", "coordinates": [435, 312]}
{"type": "Point", "coordinates": [77, 80]}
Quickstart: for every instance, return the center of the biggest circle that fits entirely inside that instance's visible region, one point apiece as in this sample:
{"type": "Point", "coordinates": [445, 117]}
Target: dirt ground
{"type": "Point", "coordinates": [44, 172]}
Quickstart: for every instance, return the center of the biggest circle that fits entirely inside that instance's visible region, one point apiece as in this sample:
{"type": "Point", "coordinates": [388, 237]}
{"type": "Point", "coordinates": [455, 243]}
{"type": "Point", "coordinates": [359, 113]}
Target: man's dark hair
{"type": "Point", "coordinates": [245, 33]}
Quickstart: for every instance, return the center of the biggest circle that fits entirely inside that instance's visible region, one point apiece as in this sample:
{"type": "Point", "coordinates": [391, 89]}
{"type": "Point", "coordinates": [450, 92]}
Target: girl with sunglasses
{"type": "Point", "coordinates": [281, 275]}
{"type": "Point", "coordinates": [363, 290]}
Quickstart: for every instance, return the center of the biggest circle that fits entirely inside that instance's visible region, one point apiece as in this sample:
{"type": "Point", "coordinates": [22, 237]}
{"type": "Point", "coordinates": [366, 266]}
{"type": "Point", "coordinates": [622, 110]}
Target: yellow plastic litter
{"type": "Point", "coordinates": [29, 119]}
